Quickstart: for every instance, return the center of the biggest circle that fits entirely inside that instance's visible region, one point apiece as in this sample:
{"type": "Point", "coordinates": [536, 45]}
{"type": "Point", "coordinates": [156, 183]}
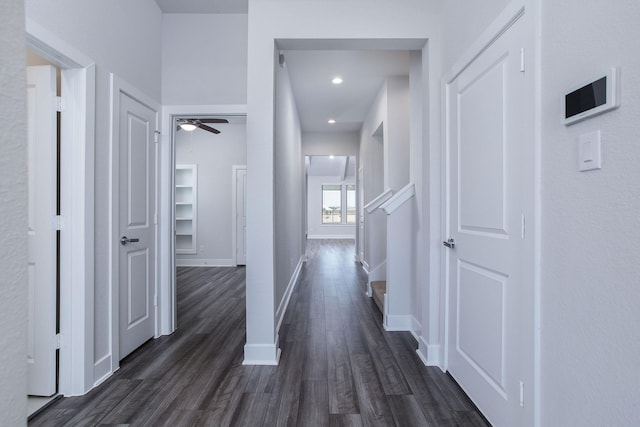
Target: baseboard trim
{"type": "Point", "coordinates": [261, 354]}
{"type": "Point", "coordinates": [330, 236]}
{"type": "Point", "coordinates": [187, 262]}
{"type": "Point", "coordinates": [428, 353]}
{"type": "Point", "coordinates": [416, 328]}
{"type": "Point", "coordinates": [102, 370]}
{"type": "Point", "coordinates": [282, 308]}
{"type": "Point", "coordinates": [397, 322]}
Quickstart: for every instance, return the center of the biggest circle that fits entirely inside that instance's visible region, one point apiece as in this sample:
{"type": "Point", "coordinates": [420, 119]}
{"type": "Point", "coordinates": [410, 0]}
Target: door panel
{"type": "Point", "coordinates": [137, 178]}
{"type": "Point", "coordinates": [487, 133]}
{"type": "Point", "coordinates": [41, 233]}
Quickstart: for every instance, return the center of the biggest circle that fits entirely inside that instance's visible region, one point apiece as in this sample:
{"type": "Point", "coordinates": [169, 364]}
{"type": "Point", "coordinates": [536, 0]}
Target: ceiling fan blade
{"type": "Point", "coordinates": [207, 128]}
{"type": "Point", "coordinates": [213, 120]}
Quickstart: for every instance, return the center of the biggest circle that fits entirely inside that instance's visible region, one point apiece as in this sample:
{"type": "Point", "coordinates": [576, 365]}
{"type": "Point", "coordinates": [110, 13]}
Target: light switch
{"type": "Point", "coordinates": [589, 156]}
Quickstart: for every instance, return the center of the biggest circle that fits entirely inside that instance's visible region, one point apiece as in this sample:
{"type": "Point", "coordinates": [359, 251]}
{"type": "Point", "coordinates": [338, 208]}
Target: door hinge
{"type": "Point", "coordinates": [522, 60]}
{"type": "Point", "coordinates": [60, 104]}
{"type": "Point", "coordinates": [524, 225]}
{"type": "Point", "coordinates": [57, 222]}
{"type": "Point", "coordinates": [156, 136]}
{"type": "Point", "coordinates": [155, 300]}
{"type": "Point", "coordinates": [155, 219]}
{"type": "Point", "coordinates": [57, 341]}
{"type": "Point", "coordinates": [521, 394]}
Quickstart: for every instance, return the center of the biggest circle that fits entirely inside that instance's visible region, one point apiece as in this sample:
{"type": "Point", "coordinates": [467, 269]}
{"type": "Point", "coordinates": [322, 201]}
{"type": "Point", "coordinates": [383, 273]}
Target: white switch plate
{"type": "Point", "coordinates": [589, 156]}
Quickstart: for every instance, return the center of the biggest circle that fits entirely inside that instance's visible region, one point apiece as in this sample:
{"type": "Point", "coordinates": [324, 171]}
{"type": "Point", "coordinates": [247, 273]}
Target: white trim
{"type": "Point", "coordinates": [284, 303]}
{"type": "Point", "coordinates": [429, 354]}
{"type": "Point", "coordinates": [378, 201]}
{"type": "Point", "coordinates": [118, 86]}
{"type": "Point", "coordinates": [511, 13]}
{"type": "Point", "coordinates": [53, 48]}
{"type": "Point", "coordinates": [397, 322]}
{"type": "Point", "coordinates": [192, 262]}
{"type": "Point", "coordinates": [77, 171]}
{"type": "Point", "coordinates": [166, 255]}
{"type": "Point", "coordinates": [416, 328]}
{"type": "Point", "coordinates": [331, 236]}
{"type": "Point", "coordinates": [262, 354]}
{"type": "Point", "coordinates": [102, 370]}
{"type": "Point", "coordinates": [234, 211]}
{"type": "Point", "coordinates": [398, 199]}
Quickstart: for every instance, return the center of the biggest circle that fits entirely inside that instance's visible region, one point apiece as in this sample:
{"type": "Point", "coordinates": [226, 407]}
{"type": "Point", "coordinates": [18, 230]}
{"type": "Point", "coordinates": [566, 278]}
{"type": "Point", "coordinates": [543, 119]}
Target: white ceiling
{"type": "Point", "coordinates": [342, 166]}
{"type": "Point", "coordinates": [363, 73]}
{"type": "Point", "coordinates": [203, 6]}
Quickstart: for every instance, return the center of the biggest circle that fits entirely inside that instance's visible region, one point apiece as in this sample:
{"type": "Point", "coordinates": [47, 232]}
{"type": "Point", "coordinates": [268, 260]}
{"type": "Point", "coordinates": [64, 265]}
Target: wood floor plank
{"type": "Point", "coordinates": [342, 392]}
{"type": "Point", "coordinates": [339, 367]}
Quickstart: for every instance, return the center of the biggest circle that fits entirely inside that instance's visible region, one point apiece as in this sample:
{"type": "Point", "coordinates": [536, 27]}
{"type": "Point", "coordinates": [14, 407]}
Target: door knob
{"type": "Point", "coordinates": [124, 240]}
{"type": "Point", "coordinates": [450, 243]}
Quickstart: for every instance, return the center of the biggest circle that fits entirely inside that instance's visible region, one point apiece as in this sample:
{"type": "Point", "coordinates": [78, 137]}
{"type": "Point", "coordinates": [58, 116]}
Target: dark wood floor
{"type": "Point", "coordinates": [338, 368]}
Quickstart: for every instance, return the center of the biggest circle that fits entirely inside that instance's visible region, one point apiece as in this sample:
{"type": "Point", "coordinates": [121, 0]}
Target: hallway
{"type": "Point", "coordinates": [338, 367]}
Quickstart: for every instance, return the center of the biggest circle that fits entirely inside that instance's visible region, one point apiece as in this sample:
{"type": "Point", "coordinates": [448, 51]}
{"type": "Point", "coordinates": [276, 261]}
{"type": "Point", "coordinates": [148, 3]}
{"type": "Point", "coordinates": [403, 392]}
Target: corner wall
{"type": "Point", "coordinates": [288, 192]}
{"type": "Point", "coordinates": [13, 221]}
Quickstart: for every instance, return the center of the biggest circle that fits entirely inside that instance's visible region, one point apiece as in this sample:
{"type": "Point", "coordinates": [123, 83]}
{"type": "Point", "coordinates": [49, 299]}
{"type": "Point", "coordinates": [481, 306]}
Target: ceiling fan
{"type": "Point", "coordinates": [191, 124]}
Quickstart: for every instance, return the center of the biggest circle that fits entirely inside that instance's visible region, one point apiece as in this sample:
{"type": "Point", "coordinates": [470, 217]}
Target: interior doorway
{"type": "Point", "coordinates": [71, 176]}
{"type": "Point", "coordinates": [43, 143]}
{"type": "Point", "coordinates": [199, 172]}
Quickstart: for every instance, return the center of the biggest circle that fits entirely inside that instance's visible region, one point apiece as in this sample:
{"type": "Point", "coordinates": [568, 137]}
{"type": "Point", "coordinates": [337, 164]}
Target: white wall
{"type": "Point", "coordinates": [391, 110]}
{"type": "Point", "coordinates": [124, 38]}
{"type": "Point", "coordinates": [462, 22]}
{"type": "Point", "coordinates": [288, 192]}
{"type": "Point", "coordinates": [400, 24]}
{"type": "Point", "coordinates": [215, 156]}
{"type": "Point", "coordinates": [204, 59]}
{"type": "Point", "coordinates": [13, 221]}
{"type": "Point", "coordinates": [326, 144]}
{"type": "Point", "coordinates": [315, 228]}
{"type": "Point", "coordinates": [590, 222]}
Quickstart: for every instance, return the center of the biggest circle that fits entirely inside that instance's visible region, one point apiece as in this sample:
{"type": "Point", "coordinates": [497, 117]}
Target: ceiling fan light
{"type": "Point", "coordinates": [187, 126]}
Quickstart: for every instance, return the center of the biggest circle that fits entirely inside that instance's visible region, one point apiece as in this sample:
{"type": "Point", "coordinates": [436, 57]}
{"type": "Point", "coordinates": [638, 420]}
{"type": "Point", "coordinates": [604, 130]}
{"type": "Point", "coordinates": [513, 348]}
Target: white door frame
{"type": "Point", "coordinates": [512, 13]}
{"type": "Point", "coordinates": [77, 131]}
{"type": "Point", "coordinates": [166, 255]}
{"type": "Point", "coordinates": [119, 86]}
{"type": "Point", "coordinates": [234, 211]}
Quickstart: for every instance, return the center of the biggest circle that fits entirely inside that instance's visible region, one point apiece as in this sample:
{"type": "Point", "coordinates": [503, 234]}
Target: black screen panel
{"type": "Point", "coordinates": [587, 97]}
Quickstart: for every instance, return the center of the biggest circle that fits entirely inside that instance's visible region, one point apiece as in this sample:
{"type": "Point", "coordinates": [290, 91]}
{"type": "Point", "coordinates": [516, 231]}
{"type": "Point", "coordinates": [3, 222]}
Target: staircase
{"type": "Point", "coordinates": [379, 288]}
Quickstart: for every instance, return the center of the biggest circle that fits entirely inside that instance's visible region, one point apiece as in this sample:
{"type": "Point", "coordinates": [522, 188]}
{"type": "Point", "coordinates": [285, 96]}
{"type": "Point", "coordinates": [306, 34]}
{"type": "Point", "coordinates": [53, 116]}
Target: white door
{"type": "Point", "coordinates": [137, 196]}
{"type": "Point", "coordinates": [489, 124]}
{"type": "Point", "coordinates": [241, 216]}
{"type": "Point", "coordinates": [42, 189]}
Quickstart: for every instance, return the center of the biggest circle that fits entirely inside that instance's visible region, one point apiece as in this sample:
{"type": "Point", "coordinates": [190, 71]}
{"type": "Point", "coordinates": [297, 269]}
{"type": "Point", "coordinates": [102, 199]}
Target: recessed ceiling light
{"type": "Point", "coordinates": [336, 80]}
{"type": "Point", "coordinates": [331, 121]}
{"type": "Point", "coordinates": [332, 157]}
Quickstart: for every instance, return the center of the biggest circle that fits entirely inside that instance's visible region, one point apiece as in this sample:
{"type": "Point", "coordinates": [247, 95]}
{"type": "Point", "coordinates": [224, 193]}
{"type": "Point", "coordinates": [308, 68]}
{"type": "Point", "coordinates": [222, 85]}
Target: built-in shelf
{"type": "Point", "coordinates": [186, 179]}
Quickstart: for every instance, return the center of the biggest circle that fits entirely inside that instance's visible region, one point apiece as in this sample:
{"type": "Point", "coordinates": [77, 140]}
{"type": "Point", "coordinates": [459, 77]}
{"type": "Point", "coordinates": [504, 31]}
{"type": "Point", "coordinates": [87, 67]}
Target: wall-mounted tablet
{"type": "Point", "coordinates": [593, 97]}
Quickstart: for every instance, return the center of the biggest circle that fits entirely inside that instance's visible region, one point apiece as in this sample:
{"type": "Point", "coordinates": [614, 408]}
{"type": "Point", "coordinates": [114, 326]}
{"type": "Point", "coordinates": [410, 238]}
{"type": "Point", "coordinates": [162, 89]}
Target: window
{"type": "Point", "coordinates": [334, 198]}
{"type": "Point", "coordinates": [351, 204]}
{"type": "Point", "coordinates": [332, 204]}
